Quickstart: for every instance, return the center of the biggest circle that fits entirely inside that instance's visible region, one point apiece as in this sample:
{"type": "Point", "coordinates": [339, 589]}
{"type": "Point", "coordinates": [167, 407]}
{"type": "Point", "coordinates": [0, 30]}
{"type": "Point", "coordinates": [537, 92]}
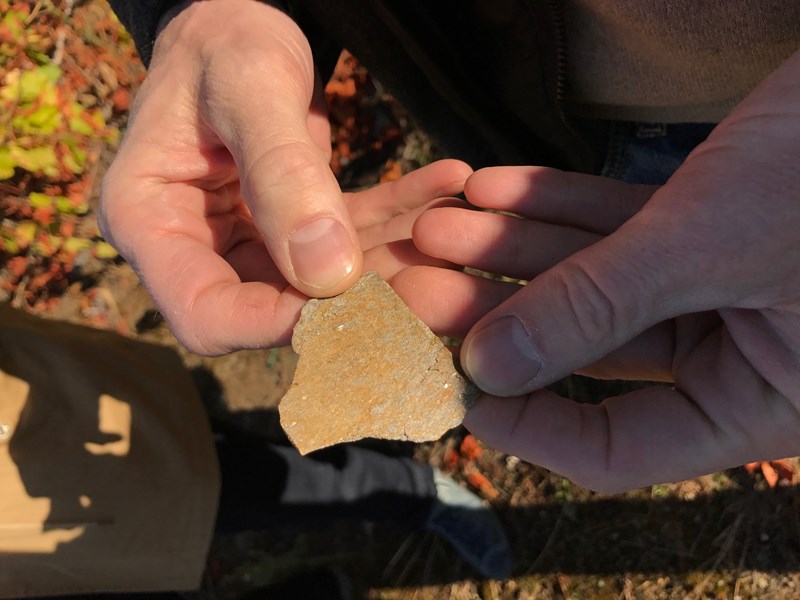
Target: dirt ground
{"type": "Point", "coordinates": [722, 536]}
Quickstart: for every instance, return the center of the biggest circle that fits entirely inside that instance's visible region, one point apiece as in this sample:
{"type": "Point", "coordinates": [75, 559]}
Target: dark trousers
{"type": "Point", "coordinates": [265, 486]}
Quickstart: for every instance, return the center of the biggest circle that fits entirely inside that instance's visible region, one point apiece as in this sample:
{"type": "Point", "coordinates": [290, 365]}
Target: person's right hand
{"type": "Point", "coordinates": [221, 197]}
{"type": "Point", "coordinates": [695, 283]}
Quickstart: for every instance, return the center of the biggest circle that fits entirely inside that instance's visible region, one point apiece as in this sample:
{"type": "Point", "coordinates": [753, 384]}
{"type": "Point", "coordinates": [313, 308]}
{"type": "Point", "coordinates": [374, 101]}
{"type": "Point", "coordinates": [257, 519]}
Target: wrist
{"type": "Point", "coordinates": [170, 12]}
{"type": "Point", "coordinates": [226, 23]}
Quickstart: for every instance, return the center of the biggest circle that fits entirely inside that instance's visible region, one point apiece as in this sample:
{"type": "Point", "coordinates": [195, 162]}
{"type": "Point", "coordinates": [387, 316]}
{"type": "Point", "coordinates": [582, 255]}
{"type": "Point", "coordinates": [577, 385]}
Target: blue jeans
{"type": "Point", "coordinates": [650, 152]}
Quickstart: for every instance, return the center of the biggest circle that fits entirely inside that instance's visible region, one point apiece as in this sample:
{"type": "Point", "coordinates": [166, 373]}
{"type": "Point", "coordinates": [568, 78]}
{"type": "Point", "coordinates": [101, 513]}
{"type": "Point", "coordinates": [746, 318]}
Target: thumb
{"type": "Point", "coordinates": [580, 310]}
{"type": "Point", "coordinates": [263, 119]}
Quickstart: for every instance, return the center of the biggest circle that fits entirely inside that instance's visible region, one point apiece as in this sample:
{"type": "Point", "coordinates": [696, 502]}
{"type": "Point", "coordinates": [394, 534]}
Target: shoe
{"type": "Point", "coordinates": [471, 527]}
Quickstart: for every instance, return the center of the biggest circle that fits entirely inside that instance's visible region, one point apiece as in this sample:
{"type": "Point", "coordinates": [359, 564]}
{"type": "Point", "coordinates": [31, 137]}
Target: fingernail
{"type": "Point", "coordinates": [501, 358]}
{"type": "Point", "coordinates": [321, 253]}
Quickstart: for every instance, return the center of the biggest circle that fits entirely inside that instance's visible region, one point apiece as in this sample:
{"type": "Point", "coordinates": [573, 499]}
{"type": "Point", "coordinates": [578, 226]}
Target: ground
{"type": "Point", "coordinates": [729, 535]}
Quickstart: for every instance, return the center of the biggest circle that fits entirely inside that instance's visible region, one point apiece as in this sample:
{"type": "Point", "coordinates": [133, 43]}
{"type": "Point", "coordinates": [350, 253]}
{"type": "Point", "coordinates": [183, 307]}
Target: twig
{"type": "Point", "coordinates": [414, 558]}
{"type": "Point", "coordinates": [61, 40]}
{"type": "Point", "coordinates": [550, 541]}
{"type": "Point", "coordinates": [723, 552]}
{"type": "Point", "coordinates": [397, 556]}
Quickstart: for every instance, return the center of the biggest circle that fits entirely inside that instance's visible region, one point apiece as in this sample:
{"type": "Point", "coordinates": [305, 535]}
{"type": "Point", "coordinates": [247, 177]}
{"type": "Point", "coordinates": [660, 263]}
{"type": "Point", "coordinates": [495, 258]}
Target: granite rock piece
{"type": "Point", "coordinates": [369, 367]}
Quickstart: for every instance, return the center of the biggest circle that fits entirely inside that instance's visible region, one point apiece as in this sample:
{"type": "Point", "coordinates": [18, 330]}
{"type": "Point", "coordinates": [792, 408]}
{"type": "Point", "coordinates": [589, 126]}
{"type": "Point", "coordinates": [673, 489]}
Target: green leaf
{"type": "Point", "coordinates": [14, 22]}
{"type": "Point", "coordinates": [37, 55]}
{"type": "Point", "coordinates": [76, 244]}
{"type": "Point", "coordinates": [39, 200]}
{"type": "Point", "coordinates": [97, 119]}
{"type": "Point", "coordinates": [72, 165]}
{"type": "Point", "coordinates": [104, 250]}
{"type": "Point", "coordinates": [64, 206]}
{"type": "Point", "coordinates": [112, 136]}
{"type": "Point", "coordinates": [78, 121]}
{"type": "Point", "coordinates": [10, 245]}
{"type": "Point", "coordinates": [25, 233]}
{"type": "Point", "coordinates": [41, 159]}
{"type": "Point", "coordinates": [7, 164]}
{"type": "Point", "coordinates": [42, 121]}
{"type": "Point", "coordinates": [69, 207]}
{"type": "Point", "coordinates": [30, 85]}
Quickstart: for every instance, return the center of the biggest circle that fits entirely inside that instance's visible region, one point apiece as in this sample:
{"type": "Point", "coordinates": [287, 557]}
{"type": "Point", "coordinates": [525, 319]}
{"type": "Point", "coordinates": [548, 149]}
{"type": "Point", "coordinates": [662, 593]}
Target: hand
{"type": "Point", "coordinates": [221, 197]}
{"type": "Point", "coordinates": [696, 283]}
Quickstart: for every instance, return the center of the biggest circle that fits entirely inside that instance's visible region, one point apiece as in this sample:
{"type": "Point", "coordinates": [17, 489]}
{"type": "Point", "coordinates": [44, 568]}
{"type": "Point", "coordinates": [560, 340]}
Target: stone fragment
{"type": "Point", "coordinates": [368, 367]}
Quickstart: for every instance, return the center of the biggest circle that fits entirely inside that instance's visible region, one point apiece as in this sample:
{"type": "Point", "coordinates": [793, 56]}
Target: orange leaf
{"type": "Point", "coordinates": [450, 460]}
{"type": "Point", "coordinates": [773, 470]}
{"type": "Point", "coordinates": [66, 229]}
{"type": "Point", "coordinates": [17, 265]}
{"type": "Point", "coordinates": [483, 485]}
{"type": "Point", "coordinates": [752, 467]}
{"type": "Point", "coordinates": [44, 215]}
{"type": "Point", "coordinates": [121, 99]}
{"type": "Point", "coordinates": [470, 448]}
{"type": "Point", "coordinates": [784, 469]}
{"type": "Point", "coordinates": [393, 171]}
{"type": "Point", "coordinates": [770, 475]}
{"type": "Point", "coordinates": [344, 89]}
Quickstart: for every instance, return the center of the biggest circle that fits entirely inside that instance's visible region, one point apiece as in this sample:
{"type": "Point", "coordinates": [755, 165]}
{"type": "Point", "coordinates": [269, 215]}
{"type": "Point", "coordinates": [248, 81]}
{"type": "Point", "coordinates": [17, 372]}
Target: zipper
{"type": "Point", "coordinates": [586, 158]}
{"type": "Point", "coordinates": [557, 10]}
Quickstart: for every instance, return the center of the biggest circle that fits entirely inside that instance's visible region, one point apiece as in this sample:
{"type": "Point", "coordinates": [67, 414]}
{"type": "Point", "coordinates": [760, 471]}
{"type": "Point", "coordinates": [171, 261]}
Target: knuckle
{"type": "Point", "coordinates": [291, 161]}
{"type": "Point", "coordinates": [594, 312]}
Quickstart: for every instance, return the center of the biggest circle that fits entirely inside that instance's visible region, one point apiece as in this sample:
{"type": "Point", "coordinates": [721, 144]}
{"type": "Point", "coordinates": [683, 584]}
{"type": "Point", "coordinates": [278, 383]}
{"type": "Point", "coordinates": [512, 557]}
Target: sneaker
{"type": "Point", "coordinates": [471, 527]}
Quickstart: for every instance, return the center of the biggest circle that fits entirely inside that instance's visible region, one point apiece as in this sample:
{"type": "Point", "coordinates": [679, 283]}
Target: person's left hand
{"type": "Point", "coordinates": [263, 308]}
{"type": "Point", "coordinates": [696, 283]}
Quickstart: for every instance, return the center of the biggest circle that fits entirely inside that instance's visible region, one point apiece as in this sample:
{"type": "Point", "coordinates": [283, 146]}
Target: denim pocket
{"type": "Point", "coordinates": [650, 152]}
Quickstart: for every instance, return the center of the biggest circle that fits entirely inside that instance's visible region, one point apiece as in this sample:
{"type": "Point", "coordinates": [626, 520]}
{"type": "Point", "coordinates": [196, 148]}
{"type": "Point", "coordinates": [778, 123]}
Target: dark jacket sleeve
{"type": "Point", "coordinates": [140, 18]}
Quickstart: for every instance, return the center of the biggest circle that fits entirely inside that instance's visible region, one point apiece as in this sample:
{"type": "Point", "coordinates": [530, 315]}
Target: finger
{"type": "Point", "coordinates": [589, 202]}
{"type": "Point", "coordinates": [262, 118]}
{"type": "Point", "coordinates": [449, 302]}
{"type": "Point", "coordinates": [380, 203]}
{"type": "Point", "coordinates": [585, 307]}
{"type": "Point", "coordinates": [209, 309]}
{"type": "Point", "coordinates": [192, 257]}
{"type": "Point", "coordinates": [401, 226]}
{"type": "Point", "coordinates": [252, 263]}
{"type": "Point", "coordinates": [389, 259]}
{"type": "Point", "coordinates": [509, 246]}
{"type": "Point", "coordinates": [652, 435]}
{"type": "Point", "coordinates": [648, 436]}
{"type": "Point", "coordinates": [647, 357]}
